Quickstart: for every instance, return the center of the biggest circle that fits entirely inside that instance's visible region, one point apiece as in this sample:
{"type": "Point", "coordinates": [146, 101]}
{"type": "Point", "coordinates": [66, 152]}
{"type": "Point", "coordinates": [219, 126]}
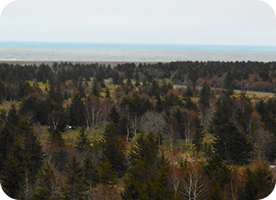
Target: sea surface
{"type": "Point", "coordinates": [108, 52]}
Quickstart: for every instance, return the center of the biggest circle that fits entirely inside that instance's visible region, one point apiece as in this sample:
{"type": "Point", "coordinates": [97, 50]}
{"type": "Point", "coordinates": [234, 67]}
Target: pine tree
{"type": "Point", "coordinates": [91, 173]}
{"type": "Point", "coordinates": [232, 145]}
{"type": "Point", "coordinates": [76, 111]}
{"type": "Point", "coordinates": [205, 95]}
{"type": "Point", "coordinates": [107, 173]}
{"type": "Point", "coordinates": [114, 149]}
{"type": "Point", "coordinates": [75, 185]}
{"type": "Point", "coordinates": [6, 141]}
{"type": "Point", "coordinates": [32, 148]}
{"type": "Point", "coordinates": [13, 172]}
{"type": "Point", "coordinates": [83, 143]}
{"type": "Point", "coordinates": [149, 171]}
{"type": "Point", "coordinates": [56, 138]}
{"type": "Point", "coordinates": [258, 183]}
{"type": "Point", "coordinates": [107, 93]}
{"type": "Point", "coordinates": [46, 187]}
{"type": "Point", "coordinates": [198, 137]}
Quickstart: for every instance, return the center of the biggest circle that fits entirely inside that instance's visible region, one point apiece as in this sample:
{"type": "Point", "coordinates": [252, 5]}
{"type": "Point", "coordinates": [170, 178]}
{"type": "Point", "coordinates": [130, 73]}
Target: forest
{"type": "Point", "coordinates": [138, 131]}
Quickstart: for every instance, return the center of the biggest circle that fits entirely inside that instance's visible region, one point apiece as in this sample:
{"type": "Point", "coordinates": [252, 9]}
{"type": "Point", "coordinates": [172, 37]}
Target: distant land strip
{"type": "Point", "coordinates": [111, 63]}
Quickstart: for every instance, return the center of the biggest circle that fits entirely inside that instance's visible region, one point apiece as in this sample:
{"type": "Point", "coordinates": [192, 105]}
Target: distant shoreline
{"type": "Point", "coordinates": [111, 63]}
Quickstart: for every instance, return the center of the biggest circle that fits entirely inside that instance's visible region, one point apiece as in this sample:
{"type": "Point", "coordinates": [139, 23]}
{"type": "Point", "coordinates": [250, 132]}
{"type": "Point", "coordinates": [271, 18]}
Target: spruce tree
{"type": "Point", "coordinates": [46, 187]}
{"type": "Point", "coordinates": [148, 175]}
{"type": "Point", "coordinates": [114, 149]}
{"type": "Point", "coordinates": [75, 186]}
{"type": "Point", "coordinates": [13, 174]}
{"type": "Point", "coordinates": [83, 143]}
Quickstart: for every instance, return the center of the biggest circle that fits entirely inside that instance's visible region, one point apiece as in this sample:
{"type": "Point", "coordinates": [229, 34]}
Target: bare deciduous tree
{"type": "Point", "coordinates": [194, 184]}
{"type": "Point", "coordinates": [152, 121]}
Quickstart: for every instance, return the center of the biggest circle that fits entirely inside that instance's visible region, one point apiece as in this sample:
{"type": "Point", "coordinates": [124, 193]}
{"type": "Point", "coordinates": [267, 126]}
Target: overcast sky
{"type": "Point", "coordinates": [233, 22]}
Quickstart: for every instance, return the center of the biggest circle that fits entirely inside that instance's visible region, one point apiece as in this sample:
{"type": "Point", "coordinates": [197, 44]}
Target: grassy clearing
{"type": "Point", "coordinates": [6, 105]}
{"type": "Point", "coordinates": [71, 135]}
{"type": "Point", "coordinates": [40, 84]}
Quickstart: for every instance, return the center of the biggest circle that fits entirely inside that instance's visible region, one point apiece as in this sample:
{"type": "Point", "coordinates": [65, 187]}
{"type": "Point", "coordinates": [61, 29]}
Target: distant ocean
{"type": "Point", "coordinates": [52, 51]}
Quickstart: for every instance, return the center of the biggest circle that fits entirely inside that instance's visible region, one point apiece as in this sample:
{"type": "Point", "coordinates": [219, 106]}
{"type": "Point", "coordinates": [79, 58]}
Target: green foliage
{"type": "Point", "coordinates": [83, 143]}
{"type": "Point", "coordinates": [189, 92]}
{"type": "Point", "coordinates": [205, 95]}
{"type": "Point", "coordinates": [75, 185]}
{"type": "Point", "coordinates": [46, 184]}
{"type": "Point", "coordinates": [90, 172]}
{"type": "Point", "coordinates": [13, 171]}
{"type": "Point", "coordinates": [258, 183]}
{"type": "Point", "coordinates": [217, 170]}
{"type": "Point", "coordinates": [107, 93]}
{"type": "Point", "coordinates": [107, 173]}
{"type": "Point", "coordinates": [56, 138]}
{"type": "Point", "coordinates": [96, 88]}
{"type": "Point", "coordinates": [148, 178]}
{"type": "Point", "coordinates": [113, 149]}
{"type": "Point", "coordinates": [232, 145]}
{"type": "Point", "coordinates": [76, 111]}
{"type": "Point", "coordinates": [198, 137]}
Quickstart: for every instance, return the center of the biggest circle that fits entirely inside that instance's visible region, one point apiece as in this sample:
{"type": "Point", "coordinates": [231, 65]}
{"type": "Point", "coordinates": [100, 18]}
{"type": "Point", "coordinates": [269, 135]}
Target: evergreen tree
{"type": "Point", "coordinates": [76, 111]}
{"type": "Point", "coordinates": [114, 149]}
{"type": "Point", "coordinates": [96, 88]}
{"type": "Point", "coordinates": [32, 148]}
{"type": "Point", "coordinates": [205, 95]}
{"type": "Point", "coordinates": [13, 178]}
{"type": "Point", "coordinates": [258, 184]}
{"type": "Point", "coordinates": [91, 173]}
{"type": "Point", "coordinates": [107, 93]}
{"type": "Point", "coordinates": [198, 138]}
{"type": "Point", "coordinates": [56, 138]}
{"type": "Point", "coordinates": [82, 144]}
{"type": "Point", "coordinates": [107, 173]}
{"type": "Point", "coordinates": [148, 176]}
{"type": "Point", "coordinates": [6, 141]}
{"type": "Point", "coordinates": [75, 186]}
{"type": "Point", "coordinates": [232, 145]}
{"type": "Point", "coordinates": [189, 92]}
{"type": "Point", "coordinates": [46, 187]}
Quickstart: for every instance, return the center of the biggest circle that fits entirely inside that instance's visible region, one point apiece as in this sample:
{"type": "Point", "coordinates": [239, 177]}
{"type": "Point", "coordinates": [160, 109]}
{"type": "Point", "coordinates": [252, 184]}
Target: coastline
{"type": "Point", "coordinates": [111, 63]}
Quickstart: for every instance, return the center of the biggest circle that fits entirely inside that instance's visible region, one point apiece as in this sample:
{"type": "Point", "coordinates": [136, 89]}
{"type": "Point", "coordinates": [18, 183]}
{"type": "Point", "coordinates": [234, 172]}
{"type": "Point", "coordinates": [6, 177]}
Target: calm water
{"type": "Point", "coordinates": [43, 51]}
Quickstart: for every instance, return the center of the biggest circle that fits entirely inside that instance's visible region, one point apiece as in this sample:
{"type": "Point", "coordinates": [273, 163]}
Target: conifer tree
{"type": "Point", "coordinates": [83, 143]}
{"type": "Point", "coordinates": [107, 93]}
{"type": "Point", "coordinates": [46, 187]}
{"type": "Point", "coordinates": [91, 173]}
{"type": "Point", "coordinates": [258, 183]}
{"type": "Point", "coordinates": [6, 141]}
{"type": "Point", "coordinates": [114, 149]}
{"type": "Point", "coordinates": [232, 145]}
{"type": "Point", "coordinates": [75, 185]}
{"type": "Point", "coordinates": [76, 111]}
{"type": "Point", "coordinates": [198, 137]}
{"type": "Point", "coordinates": [56, 138]}
{"type": "Point", "coordinates": [107, 173]}
{"type": "Point", "coordinates": [13, 178]}
{"type": "Point", "coordinates": [148, 176]}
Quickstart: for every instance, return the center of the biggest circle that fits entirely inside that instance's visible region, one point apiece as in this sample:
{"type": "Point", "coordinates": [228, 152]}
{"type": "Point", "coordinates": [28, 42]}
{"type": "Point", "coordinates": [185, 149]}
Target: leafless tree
{"type": "Point", "coordinates": [152, 121]}
{"type": "Point", "coordinates": [175, 179]}
{"type": "Point", "coordinates": [96, 110]}
{"type": "Point", "coordinates": [54, 118]}
{"type": "Point", "coordinates": [194, 184]}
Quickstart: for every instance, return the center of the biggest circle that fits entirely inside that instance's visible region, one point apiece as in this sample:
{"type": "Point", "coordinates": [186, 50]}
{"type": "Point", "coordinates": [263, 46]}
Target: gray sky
{"type": "Point", "coordinates": [242, 22]}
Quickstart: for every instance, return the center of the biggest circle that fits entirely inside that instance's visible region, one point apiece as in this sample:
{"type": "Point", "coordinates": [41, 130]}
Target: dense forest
{"type": "Point", "coordinates": [95, 131]}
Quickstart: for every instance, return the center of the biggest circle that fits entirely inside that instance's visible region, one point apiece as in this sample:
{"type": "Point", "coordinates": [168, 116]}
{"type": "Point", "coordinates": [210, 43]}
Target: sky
{"type": "Point", "coordinates": [219, 22]}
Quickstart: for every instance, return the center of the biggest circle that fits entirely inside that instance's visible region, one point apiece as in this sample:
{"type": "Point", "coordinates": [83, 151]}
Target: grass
{"type": "Point", "coordinates": [40, 84]}
{"type": "Point", "coordinates": [6, 105]}
{"type": "Point", "coordinates": [70, 136]}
